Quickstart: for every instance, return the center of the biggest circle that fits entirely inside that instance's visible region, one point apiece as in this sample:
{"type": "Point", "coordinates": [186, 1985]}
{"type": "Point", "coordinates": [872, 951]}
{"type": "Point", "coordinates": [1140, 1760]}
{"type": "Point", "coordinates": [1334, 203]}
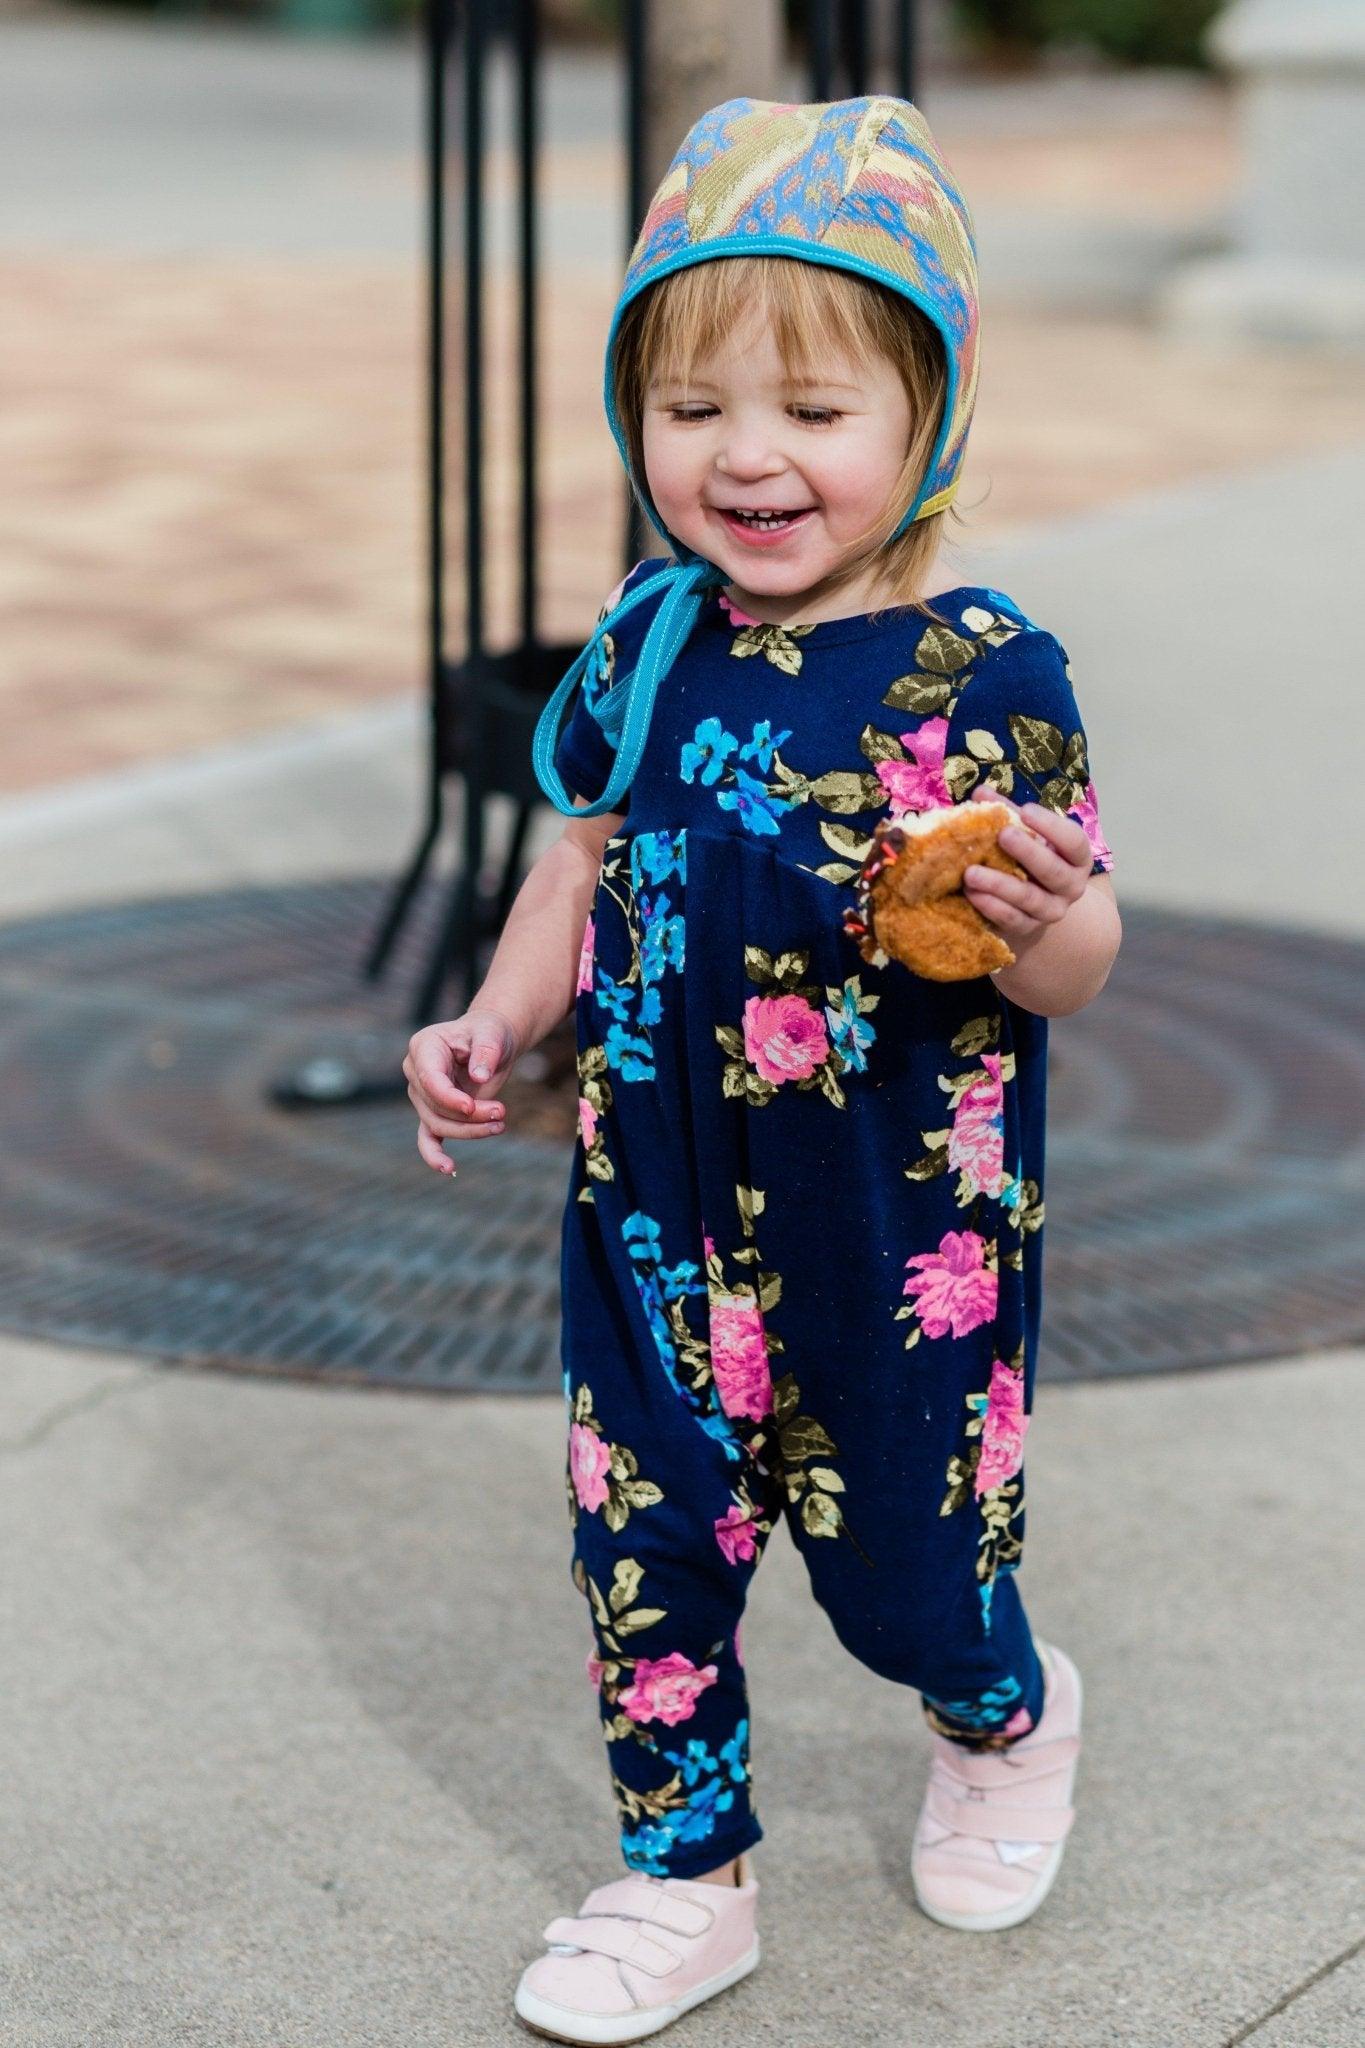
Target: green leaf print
{"type": "Point", "coordinates": [922, 694]}
{"type": "Point", "coordinates": [1039, 743]}
{"type": "Point", "coordinates": [844, 792]}
{"type": "Point", "coordinates": [943, 651]}
{"type": "Point", "coordinates": [625, 1583]}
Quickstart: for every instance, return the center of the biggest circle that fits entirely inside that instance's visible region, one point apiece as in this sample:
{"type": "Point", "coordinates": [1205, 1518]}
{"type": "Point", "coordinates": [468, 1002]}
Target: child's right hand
{"type": "Point", "coordinates": [447, 1067]}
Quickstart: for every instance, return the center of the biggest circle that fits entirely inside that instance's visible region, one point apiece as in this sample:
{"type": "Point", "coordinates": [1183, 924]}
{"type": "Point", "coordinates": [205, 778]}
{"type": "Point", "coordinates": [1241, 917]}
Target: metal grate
{"type": "Point", "coordinates": [1205, 1178]}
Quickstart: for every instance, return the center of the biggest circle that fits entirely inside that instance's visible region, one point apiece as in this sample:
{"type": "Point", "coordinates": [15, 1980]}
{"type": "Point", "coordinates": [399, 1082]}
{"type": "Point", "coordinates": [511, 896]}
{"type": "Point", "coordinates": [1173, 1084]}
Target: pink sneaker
{"type": "Point", "coordinates": [641, 1951]}
{"type": "Point", "coordinates": [993, 1826]}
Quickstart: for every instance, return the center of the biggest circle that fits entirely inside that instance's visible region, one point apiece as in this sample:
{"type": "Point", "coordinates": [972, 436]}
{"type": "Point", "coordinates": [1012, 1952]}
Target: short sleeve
{"type": "Point", "coordinates": [584, 756]}
{"type": "Point", "coordinates": [1015, 725]}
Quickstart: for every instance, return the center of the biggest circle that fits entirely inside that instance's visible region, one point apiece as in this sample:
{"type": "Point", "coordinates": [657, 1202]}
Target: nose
{"type": "Point", "coordinates": [747, 454]}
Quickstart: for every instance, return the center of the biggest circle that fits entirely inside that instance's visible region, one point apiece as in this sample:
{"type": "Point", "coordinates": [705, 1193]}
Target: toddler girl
{"type": "Point", "coordinates": [802, 1241]}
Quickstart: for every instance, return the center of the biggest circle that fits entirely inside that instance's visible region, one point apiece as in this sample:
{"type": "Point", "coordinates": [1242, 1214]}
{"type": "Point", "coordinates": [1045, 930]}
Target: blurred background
{"type": "Point", "coordinates": [306, 499]}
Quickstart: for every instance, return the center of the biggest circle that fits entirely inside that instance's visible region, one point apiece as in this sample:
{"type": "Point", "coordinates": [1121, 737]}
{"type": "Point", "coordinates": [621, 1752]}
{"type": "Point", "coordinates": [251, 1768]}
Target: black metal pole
{"type": "Point", "coordinates": [855, 41]}
{"type": "Point", "coordinates": [906, 51]}
{"type": "Point", "coordinates": [437, 26]}
{"type": "Point", "coordinates": [636, 27]}
{"type": "Point", "coordinates": [527, 151]}
{"type": "Point", "coordinates": [821, 48]}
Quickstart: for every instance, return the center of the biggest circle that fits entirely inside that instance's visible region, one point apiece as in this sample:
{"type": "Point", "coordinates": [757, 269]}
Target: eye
{"type": "Point", "coordinates": [816, 415]}
{"type": "Point", "coordinates": [686, 413]}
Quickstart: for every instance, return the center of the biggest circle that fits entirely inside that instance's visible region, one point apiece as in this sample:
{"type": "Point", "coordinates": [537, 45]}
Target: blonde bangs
{"type": "Point", "coordinates": [814, 311]}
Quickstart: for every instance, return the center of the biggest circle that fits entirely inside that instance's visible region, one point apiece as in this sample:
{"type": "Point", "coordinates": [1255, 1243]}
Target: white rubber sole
{"type": "Point", "coordinates": [559, 2023]}
{"type": "Point", "coordinates": [1025, 1908]}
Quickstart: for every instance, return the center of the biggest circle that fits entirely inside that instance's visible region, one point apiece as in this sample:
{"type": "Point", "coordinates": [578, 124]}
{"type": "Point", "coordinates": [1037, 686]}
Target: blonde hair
{"type": "Point", "coordinates": [813, 310]}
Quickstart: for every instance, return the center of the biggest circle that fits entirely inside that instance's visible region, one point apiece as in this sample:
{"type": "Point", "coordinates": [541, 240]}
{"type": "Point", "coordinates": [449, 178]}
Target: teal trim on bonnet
{"type": "Point", "coordinates": [804, 252]}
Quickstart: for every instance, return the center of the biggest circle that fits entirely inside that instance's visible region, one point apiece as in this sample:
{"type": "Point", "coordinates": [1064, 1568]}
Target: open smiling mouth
{"type": "Point", "coordinates": [766, 525]}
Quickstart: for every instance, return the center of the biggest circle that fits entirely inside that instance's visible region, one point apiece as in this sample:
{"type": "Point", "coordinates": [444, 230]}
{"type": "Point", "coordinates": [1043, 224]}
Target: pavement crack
{"type": "Point", "coordinates": [47, 1425]}
{"type": "Point", "coordinates": [1296, 1991]}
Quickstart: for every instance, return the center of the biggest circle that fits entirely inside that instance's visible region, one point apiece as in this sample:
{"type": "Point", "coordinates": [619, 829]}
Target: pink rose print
{"type": "Point", "coordinates": [976, 1143]}
{"type": "Point", "coordinates": [1002, 1436]}
{"type": "Point", "coordinates": [918, 785]}
{"type": "Point", "coordinates": [589, 1464]}
{"type": "Point", "coordinates": [595, 1667]}
{"type": "Point", "coordinates": [708, 1244]}
{"type": "Point", "coordinates": [784, 1037]}
{"type": "Point", "coordinates": [1086, 812]}
{"type": "Point", "coordinates": [735, 1534]}
{"type": "Point", "coordinates": [587, 1122]}
{"type": "Point", "coordinates": [739, 1356]}
{"type": "Point", "coordinates": [734, 614]}
{"type": "Point", "coordinates": [953, 1289]}
{"type": "Point", "coordinates": [1019, 1721]}
{"type": "Point", "coordinates": [585, 959]}
{"type": "Point", "coordinates": [666, 1688]}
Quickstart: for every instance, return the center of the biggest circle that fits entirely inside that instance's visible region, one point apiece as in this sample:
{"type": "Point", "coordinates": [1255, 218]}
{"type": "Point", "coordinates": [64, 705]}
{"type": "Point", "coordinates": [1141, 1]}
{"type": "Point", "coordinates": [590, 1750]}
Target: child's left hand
{"type": "Point", "coordinates": [1058, 861]}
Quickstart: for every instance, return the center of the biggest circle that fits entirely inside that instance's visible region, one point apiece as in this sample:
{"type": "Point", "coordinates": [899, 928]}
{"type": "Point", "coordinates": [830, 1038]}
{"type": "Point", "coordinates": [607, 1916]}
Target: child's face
{"type": "Point", "coordinates": [740, 435]}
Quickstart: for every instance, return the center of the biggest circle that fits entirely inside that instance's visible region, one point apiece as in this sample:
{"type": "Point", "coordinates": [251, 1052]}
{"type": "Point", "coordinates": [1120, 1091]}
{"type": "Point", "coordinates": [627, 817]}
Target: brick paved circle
{"type": "Point", "coordinates": [1205, 1175]}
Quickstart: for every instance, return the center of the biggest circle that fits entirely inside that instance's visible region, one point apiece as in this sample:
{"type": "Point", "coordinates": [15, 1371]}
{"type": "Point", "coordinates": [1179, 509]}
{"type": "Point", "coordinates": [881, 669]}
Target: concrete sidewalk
{"type": "Point", "coordinates": [299, 1749]}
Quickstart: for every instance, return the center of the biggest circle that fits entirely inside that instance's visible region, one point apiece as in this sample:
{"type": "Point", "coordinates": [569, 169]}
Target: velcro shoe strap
{"type": "Point", "coordinates": [626, 1940]}
{"type": "Point", "coordinates": [999, 1823]}
{"type": "Point", "coordinates": [635, 1900]}
{"type": "Point", "coordinates": [989, 1768]}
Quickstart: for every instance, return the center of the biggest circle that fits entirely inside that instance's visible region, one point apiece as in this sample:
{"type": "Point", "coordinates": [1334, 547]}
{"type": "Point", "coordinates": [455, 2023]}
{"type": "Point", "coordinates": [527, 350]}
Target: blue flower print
{"type": "Point", "coordinates": [662, 939]}
{"type": "Point", "coordinates": [658, 938]}
{"type": "Point", "coordinates": [850, 1033]}
{"type": "Point", "coordinates": [698, 1818]}
{"type": "Point", "coordinates": [735, 1753]}
{"type": "Point", "coordinates": [1010, 608]}
{"type": "Point", "coordinates": [658, 1286]}
{"type": "Point", "coordinates": [655, 856]}
{"type": "Point", "coordinates": [708, 749]}
{"type": "Point", "coordinates": [645, 1848]}
{"type": "Point", "coordinates": [763, 744]}
{"type": "Point", "coordinates": [632, 1057]}
{"type": "Point", "coordinates": [697, 1760]}
{"type": "Point", "coordinates": [681, 1279]}
{"type": "Point", "coordinates": [614, 997]}
{"type": "Point", "coordinates": [988, 1710]}
{"type": "Point", "coordinates": [711, 1781]}
{"type": "Point", "coordinates": [758, 810]}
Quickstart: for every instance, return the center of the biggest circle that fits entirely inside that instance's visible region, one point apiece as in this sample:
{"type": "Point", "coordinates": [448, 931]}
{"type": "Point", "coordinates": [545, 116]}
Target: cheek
{"type": "Point", "coordinates": [672, 471]}
{"type": "Point", "coordinates": [856, 480]}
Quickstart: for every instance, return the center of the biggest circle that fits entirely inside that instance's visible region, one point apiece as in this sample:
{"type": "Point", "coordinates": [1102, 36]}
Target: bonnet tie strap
{"type": "Point", "coordinates": [624, 711]}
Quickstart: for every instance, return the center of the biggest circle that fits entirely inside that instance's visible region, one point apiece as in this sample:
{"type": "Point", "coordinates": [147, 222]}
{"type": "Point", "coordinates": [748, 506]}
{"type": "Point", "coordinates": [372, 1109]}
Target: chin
{"type": "Point", "coordinates": [780, 579]}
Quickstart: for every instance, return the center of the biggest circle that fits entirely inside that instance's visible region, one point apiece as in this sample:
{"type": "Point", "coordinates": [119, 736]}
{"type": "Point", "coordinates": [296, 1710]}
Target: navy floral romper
{"type": "Point", "coordinates": [802, 1242]}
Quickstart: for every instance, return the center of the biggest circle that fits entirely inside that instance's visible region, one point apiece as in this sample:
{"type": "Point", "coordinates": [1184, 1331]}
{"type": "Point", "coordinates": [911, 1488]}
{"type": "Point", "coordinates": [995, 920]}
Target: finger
{"type": "Point", "coordinates": [1038, 904]}
{"type": "Point", "coordinates": [430, 1074]}
{"type": "Point", "coordinates": [430, 1149]}
{"type": "Point", "coordinates": [1064, 834]}
{"type": "Point", "coordinates": [480, 1114]}
{"type": "Point", "coordinates": [486, 1053]}
{"type": "Point", "coordinates": [1039, 856]}
{"type": "Point", "coordinates": [990, 795]}
{"type": "Point", "coordinates": [451, 1127]}
{"type": "Point", "coordinates": [1006, 917]}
